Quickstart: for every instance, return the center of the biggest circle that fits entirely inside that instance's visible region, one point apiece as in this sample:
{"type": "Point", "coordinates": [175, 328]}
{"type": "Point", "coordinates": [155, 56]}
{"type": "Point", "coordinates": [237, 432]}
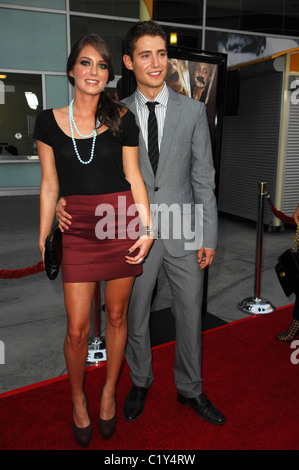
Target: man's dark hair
{"type": "Point", "coordinates": [142, 28]}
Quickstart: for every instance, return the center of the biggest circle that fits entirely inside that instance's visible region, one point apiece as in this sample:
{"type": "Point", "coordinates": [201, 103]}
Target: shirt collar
{"type": "Point", "coordinates": [162, 97]}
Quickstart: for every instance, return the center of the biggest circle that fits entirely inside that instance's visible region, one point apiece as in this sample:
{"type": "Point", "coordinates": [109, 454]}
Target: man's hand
{"type": "Point", "coordinates": [64, 219]}
{"type": "Point", "coordinates": [205, 257]}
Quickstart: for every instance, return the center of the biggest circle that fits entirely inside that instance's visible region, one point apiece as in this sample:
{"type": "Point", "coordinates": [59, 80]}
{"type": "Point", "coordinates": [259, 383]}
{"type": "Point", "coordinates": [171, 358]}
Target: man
{"type": "Point", "coordinates": [185, 176]}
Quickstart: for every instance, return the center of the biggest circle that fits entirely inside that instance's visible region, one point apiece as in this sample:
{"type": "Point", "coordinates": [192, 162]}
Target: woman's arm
{"type": "Point", "coordinates": [49, 191]}
{"type": "Point", "coordinates": [296, 215]}
{"type": "Point", "coordinates": [133, 175]}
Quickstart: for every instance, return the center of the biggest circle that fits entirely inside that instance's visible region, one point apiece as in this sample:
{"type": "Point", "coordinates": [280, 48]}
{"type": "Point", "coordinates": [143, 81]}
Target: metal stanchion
{"type": "Point", "coordinates": [96, 347]}
{"type": "Point", "coordinates": [256, 305]}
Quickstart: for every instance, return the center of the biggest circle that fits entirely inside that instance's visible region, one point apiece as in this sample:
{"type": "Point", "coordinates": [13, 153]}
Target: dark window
{"type": "Point", "coordinates": [220, 14]}
{"type": "Point", "coordinates": [178, 11]}
{"type": "Point", "coordinates": [21, 101]}
{"type": "Point", "coordinates": [126, 8]}
{"type": "Point", "coordinates": [185, 37]}
{"type": "Point", "coordinates": [261, 16]}
{"type": "Point", "coordinates": [112, 32]}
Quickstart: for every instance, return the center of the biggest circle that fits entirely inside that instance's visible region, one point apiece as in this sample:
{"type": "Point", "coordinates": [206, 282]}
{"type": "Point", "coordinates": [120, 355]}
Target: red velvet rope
{"type": "Point", "coordinates": [280, 215]}
{"type": "Point", "coordinates": [18, 273]}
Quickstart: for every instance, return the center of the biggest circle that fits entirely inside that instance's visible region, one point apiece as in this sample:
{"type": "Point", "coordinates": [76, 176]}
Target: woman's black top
{"type": "Point", "coordinates": [105, 172]}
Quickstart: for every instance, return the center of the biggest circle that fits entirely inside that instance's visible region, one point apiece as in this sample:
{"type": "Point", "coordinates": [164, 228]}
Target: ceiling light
{"type": "Point", "coordinates": [173, 38]}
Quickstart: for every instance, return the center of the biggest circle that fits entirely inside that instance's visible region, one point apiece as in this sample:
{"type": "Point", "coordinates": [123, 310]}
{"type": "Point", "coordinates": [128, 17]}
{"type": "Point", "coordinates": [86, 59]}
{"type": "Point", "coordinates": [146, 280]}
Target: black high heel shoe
{"type": "Point", "coordinates": [291, 332]}
{"type": "Point", "coordinates": [107, 426]}
{"type": "Point", "coordinates": [83, 435]}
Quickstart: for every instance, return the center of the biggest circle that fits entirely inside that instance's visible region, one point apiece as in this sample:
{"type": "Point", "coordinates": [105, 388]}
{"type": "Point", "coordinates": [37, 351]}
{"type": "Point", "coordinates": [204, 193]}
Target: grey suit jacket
{"type": "Point", "coordinates": [185, 176]}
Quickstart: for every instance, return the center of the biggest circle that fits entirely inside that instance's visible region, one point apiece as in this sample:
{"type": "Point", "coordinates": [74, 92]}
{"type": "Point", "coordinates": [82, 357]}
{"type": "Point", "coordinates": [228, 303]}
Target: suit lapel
{"type": "Point", "coordinates": [171, 122]}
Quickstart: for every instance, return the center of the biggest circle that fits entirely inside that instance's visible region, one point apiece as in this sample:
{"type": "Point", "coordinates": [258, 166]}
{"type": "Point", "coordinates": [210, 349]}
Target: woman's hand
{"type": "Point", "coordinates": [64, 219]}
{"type": "Point", "coordinates": [133, 175]}
{"type": "Point", "coordinates": [42, 251]}
{"type": "Point", "coordinates": [296, 215]}
{"type": "Point", "coordinates": [144, 244]}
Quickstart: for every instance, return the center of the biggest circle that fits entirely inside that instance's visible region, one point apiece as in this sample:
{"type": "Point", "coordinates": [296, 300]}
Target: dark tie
{"type": "Point", "coordinates": [153, 147]}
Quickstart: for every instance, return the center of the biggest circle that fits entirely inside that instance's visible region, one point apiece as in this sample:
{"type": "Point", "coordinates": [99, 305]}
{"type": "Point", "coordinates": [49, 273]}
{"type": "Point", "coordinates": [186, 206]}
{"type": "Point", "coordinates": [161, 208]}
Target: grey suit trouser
{"type": "Point", "coordinates": [186, 282]}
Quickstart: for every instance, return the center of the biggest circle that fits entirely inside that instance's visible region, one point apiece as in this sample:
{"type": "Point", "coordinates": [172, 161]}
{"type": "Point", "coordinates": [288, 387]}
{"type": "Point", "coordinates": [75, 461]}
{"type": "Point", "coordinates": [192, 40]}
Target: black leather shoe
{"type": "Point", "coordinates": [204, 408]}
{"type": "Point", "coordinates": [134, 403]}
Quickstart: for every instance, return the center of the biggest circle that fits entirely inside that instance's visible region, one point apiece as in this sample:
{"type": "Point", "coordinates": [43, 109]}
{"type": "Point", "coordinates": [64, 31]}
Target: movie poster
{"type": "Point", "coordinates": [198, 80]}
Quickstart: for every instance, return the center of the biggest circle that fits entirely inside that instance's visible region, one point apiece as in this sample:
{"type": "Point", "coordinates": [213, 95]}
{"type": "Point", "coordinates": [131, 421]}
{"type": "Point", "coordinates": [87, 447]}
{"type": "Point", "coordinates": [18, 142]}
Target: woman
{"type": "Point", "coordinates": [293, 328]}
{"type": "Point", "coordinates": [202, 76]}
{"type": "Point", "coordinates": [89, 154]}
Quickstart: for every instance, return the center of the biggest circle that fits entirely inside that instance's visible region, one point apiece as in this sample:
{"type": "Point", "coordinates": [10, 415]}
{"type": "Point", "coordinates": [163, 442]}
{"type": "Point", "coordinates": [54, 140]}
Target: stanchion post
{"type": "Point", "coordinates": [256, 305]}
{"type": "Point", "coordinates": [97, 320]}
{"type": "Point", "coordinates": [96, 349]}
{"type": "Point", "coordinates": [259, 239]}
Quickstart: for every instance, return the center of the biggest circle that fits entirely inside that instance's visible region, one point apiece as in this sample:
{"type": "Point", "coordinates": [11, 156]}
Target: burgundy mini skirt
{"type": "Point", "coordinates": [103, 228]}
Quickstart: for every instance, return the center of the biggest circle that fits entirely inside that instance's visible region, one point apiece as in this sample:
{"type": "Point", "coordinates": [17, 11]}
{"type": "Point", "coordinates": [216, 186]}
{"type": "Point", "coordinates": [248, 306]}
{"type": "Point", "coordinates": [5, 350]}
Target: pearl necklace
{"type": "Point", "coordinates": [93, 134]}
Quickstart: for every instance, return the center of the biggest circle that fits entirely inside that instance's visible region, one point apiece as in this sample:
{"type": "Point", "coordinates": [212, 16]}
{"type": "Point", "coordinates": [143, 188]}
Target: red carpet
{"type": "Point", "coordinates": [247, 374]}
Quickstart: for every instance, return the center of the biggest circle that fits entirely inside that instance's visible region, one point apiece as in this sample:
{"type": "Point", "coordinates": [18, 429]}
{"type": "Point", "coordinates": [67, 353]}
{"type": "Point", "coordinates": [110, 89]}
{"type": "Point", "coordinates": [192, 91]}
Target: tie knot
{"type": "Point", "coordinates": [151, 105]}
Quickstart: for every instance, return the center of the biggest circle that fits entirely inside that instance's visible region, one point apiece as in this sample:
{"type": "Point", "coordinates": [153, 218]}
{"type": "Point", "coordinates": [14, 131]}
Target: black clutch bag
{"type": "Point", "coordinates": [287, 268]}
{"type": "Point", "coordinates": [53, 253]}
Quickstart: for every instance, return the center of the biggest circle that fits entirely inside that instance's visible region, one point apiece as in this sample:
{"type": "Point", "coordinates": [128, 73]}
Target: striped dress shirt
{"type": "Point", "coordinates": [160, 110]}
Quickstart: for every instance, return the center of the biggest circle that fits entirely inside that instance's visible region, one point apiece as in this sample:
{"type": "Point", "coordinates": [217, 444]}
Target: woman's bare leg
{"type": "Point", "coordinates": [78, 299]}
{"type": "Point", "coordinates": [117, 296]}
